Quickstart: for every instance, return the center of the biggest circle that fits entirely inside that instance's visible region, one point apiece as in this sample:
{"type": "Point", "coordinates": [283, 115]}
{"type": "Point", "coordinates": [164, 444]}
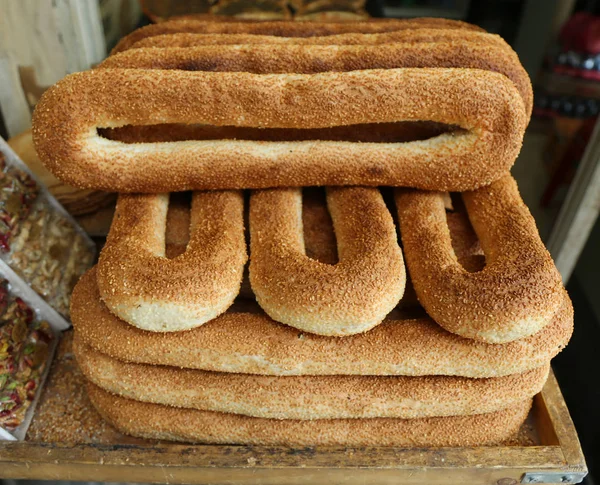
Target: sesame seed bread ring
{"type": "Point", "coordinates": [186, 39]}
{"type": "Point", "coordinates": [517, 293]}
{"type": "Point", "coordinates": [307, 397]}
{"type": "Point", "coordinates": [245, 340]}
{"type": "Point", "coordinates": [485, 106]}
{"type": "Point", "coordinates": [309, 59]}
{"type": "Point", "coordinates": [349, 297]}
{"type": "Point", "coordinates": [156, 421]}
{"type": "Point", "coordinates": [287, 29]}
{"type": "Point", "coordinates": [140, 285]}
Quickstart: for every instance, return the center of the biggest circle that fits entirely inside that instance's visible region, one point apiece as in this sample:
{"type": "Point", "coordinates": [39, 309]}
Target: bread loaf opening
{"type": "Point", "coordinates": [399, 132]}
{"type": "Point", "coordinates": [177, 234]}
{"type": "Point", "coordinates": [319, 237]}
{"type": "Point", "coordinates": [464, 240]}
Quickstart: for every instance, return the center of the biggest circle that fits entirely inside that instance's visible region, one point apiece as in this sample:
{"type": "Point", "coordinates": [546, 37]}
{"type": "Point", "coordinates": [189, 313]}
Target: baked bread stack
{"type": "Point", "coordinates": [326, 338]}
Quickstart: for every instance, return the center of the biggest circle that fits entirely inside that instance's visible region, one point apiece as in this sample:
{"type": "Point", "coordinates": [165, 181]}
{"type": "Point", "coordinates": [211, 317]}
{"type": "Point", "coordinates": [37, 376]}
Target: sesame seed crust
{"type": "Point", "coordinates": [346, 298]}
{"type": "Point", "coordinates": [191, 425]}
{"type": "Point", "coordinates": [245, 340]}
{"type": "Point", "coordinates": [485, 106]}
{"type": "Point", "coordinates": [418, 34]}
{"type": "Point", "coordinates": [515, 295]}
{"type": "Point", "coordinates": [266, 58]}
{"type": "Point", "coordinates": [307, 397]}
{"type": "Point", "coordinates": [139, 284]}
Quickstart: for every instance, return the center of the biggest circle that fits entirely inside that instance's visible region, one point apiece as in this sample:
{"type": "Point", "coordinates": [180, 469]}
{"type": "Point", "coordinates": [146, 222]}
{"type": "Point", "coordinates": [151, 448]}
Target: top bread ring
{"type": "Point", "coordinates": [287, 29]}
{"type": "Point", "coordinates": [141, 286]}
{"type": "Point", "coordinates": [485, 106]}
{"type": "Point", "coordinates": [515, 295]}
{"type": "Point", "coordinates": [349, 297]}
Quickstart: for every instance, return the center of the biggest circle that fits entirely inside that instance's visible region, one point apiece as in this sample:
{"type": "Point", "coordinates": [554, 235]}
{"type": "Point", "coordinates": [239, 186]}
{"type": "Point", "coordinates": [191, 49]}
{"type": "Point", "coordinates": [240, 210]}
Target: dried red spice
{"type": "Point", "coordinates": [24, 347]}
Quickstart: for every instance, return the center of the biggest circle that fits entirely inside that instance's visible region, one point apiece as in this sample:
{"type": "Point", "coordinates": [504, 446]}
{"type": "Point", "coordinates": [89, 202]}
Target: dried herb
{"type": "Point", "coordinates": [18, 191]}
{"type": "Point", "coordinates": [24, 347]}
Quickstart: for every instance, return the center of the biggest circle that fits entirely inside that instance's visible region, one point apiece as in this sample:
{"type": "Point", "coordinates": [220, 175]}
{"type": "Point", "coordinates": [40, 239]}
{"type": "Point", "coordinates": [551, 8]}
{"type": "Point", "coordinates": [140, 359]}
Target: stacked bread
{"type": "Point", "coordinates": [218, 10]}
{"type": "Point", "coordinates": [324, 337]}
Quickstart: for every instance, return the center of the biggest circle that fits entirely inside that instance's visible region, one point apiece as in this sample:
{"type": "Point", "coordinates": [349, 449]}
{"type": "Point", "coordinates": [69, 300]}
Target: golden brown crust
{"type": "Point", "coordinates": [187, 39]}
{"type": "Point", "coordinates": [140, 285]}
{"type": "Point", "coordinates": [308, 59]}
{"type": "Point", "coordinates": [515, 295]}
{"type": "Point", "coordinates": [307, 397]}
{"type": "Point", "coordinates": [245, 340]}
{"type": "Point", "coordinates": [349, 297]}
{"type": "Point", "coordinates": [190, 425]}
{"type": "Point", "coordinates": [486, 105]}
{"type": "Point", "coordinates": [287, 29]}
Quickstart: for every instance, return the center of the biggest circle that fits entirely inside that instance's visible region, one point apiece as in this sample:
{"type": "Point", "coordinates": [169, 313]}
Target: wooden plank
{"type": "Point", "coordinates": [254, 465]}
{"type": "Point", "coordinates": [230, 456]}
{"type": "Point", "coordinates": [30, 35]}
{"type": "Point", "coordinates": [13, 104]}
{"type": "Point", "coordinates": [47, 40]}
{"type": "Point", "coordinates": [87, 25]}
{"type": "Point", "coordinates": [579, 211]}
{"type": "Point", "coordinates": [563, 424]}
{"type": "Point", "coordinates": [543, 423]}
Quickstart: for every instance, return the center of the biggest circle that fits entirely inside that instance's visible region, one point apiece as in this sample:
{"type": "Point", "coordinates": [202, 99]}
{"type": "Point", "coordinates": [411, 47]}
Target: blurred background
{"type": "Point", "coordinates": [558, 170]}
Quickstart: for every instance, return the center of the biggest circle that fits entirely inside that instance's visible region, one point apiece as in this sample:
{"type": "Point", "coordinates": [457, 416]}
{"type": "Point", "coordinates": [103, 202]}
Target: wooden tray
{"type": "Point", "coordinates": [69, 441]}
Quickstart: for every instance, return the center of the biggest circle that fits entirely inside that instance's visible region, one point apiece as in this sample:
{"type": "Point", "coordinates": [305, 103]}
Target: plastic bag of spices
{"type": "Point", "coordinates": [39, 240]}
{"type": "Point", "coordinates": [29, 333]}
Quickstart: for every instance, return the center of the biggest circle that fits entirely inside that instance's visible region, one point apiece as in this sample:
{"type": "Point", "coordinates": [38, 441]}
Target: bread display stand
{"type": "Point", "coordinates": [68, 441]}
